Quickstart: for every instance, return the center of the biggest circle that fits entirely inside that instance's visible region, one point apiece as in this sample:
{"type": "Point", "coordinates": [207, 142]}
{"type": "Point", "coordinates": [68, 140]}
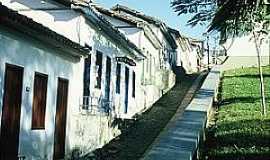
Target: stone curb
{"type": "Point", "coordinates": [181, 137]}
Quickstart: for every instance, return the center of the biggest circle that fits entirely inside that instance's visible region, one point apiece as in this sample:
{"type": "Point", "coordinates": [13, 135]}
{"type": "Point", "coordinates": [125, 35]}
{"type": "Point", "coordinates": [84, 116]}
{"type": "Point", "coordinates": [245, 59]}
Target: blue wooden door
{"type": "Point", "coordinates": [126, 88]}
{"type": "Point", "coordinates": [107, 85]}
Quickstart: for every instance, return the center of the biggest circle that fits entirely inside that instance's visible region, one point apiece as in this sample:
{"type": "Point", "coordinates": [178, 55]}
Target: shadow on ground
{"type": "Point", "coordinates": [137, 135]}
{"type": "Point", "coordinates": [239, 132]}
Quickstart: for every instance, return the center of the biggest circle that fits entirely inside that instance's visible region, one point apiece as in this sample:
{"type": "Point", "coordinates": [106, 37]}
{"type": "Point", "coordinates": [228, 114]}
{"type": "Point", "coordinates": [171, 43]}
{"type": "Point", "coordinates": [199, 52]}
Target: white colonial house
{"type": "Point", "coordinates": [75, 69]}
{"type": "Point", "coordinates": [154, 74]}
{"type": "Point", "coordinates": [39, 74]}
{"type": "Point", "coordinates": [188, 55]}
{"type": "Point", "coordinates": [101, 87]}
{"type": "Point", "coordinates": [161, 30]}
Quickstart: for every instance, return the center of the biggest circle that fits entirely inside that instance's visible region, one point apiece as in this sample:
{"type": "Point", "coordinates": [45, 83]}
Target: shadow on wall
{"type": "Point", "coordinates": [36, 143]}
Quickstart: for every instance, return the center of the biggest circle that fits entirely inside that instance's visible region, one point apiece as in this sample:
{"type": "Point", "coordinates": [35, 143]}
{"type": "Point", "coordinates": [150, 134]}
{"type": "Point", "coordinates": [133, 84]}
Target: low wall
{"type": "Point", "coordinates": [234, 62]}
{"type": "Point", "coordinates": [181, 140]}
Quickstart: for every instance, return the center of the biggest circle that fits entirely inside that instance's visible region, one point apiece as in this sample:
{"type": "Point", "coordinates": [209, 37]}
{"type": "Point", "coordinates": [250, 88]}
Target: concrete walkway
{"type": "Point", "coordinates": [180, 139]}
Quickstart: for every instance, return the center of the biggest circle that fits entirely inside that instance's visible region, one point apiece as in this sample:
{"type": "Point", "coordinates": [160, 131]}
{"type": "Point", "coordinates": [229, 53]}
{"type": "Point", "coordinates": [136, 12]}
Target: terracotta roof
{"type": "Point", "coordinates": [108, 28]}
{"type": "Point", "coordinates": [28, 26]}
{"type": "Point", "coordinates": [139, 24]}
{"type": "Point", "coordinates": [118, 8]}
{"type": "Point", "coordinates": [141, 15]}
{"type": "Point", "coordinates": [122, 17]}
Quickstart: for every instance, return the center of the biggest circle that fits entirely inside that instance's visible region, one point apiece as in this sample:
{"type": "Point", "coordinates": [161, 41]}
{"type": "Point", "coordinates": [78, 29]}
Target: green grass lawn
{"type": "Point", "coordinates": [240, 131]}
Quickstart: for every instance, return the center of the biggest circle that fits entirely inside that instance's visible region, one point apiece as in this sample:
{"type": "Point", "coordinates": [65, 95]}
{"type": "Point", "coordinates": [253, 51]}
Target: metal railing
{"type": "Point", "coordinates": [95, 105]}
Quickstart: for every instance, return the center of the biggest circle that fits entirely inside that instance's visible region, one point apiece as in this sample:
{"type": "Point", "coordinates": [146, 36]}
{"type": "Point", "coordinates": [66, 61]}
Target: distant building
{"type": "Point", "coordinates": [189, 52]}
{"type": "Point", "coordinates": [242, 52]}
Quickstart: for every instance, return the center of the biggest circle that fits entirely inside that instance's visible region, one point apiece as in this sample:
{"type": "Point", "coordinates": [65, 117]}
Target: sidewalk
{"type": "Point", "coordinates": [132, 143]}
{"type": "Point", "coordinates": [180, 139]}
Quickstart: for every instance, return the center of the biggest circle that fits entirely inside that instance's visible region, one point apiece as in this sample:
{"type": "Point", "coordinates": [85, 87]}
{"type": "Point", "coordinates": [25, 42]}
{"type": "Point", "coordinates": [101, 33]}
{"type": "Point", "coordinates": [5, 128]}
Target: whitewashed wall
{"type": "Point", "coordinates": [84, 131]}
{"type": "Point", "coordinates": [33, 57]}
{"type": "Point", "coordinates": [153, 84]}
{"type": "Point", "coordinates": [186, 56]}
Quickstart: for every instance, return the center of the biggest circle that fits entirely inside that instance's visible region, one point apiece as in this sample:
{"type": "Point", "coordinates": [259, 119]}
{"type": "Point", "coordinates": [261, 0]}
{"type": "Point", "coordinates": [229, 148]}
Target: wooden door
{"type": "Point", "coordinates": [107, 85]}
{"type": "Point", "coordinates": [11, 113]}
{"type": "Point", "coordinates": [60, 119]}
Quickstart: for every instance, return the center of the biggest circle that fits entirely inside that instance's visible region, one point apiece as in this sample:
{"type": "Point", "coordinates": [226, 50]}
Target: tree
{"type": "Point", "coordinates": [231, 18]}
{"type": "Point", "coordinates": [203, 10]}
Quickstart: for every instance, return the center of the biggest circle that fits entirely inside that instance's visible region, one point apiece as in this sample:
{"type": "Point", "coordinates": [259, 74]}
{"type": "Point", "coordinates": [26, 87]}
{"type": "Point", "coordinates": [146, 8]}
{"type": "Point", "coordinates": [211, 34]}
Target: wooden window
{"type": "Point", "coordinates": [99, 71]}
{"type": "Point", "coordinates": [133, 84]}
{"type": "Point", "coordinates": [39, 101]}
{"type": "Point", "coordinates": [86, 82]}
{"type": "Point", "coordinates": [108, 79]}
{"type": "Point", "coordinates": [126, 88]}
{"type": "Point", "coordinates": [118, 77]}
{"type": "Point", "coordinates": [86, 78]}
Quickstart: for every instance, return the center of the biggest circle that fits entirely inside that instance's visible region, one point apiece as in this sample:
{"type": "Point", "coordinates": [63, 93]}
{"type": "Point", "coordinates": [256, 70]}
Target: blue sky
{"type": "Point", "coordinates": [160, 9]}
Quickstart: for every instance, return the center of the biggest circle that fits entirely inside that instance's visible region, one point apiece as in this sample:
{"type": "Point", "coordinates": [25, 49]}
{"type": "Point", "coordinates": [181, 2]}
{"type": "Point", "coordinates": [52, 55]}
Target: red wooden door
{"type": "Point", "coordinates": [11, 113]}
{"type": "Point", "coordinates": [60, 119]}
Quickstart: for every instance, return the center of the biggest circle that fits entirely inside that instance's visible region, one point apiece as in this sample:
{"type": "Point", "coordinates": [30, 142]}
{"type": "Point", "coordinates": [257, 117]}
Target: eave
{"type": "Point", "coordinates": [149, 19]}
{"type": "Point", "coordinates": [20, 23]}
{"type": "Point", "coordinates": [107, 28]}
{"type": "Point", "coordinates": [138, 24]}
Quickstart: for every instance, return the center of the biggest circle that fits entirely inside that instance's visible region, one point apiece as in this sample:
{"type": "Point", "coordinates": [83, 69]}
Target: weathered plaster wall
{"type": "Point", "coordinates": [17, 50]}
{"type": "Point", "coordinates": [151, 76]}
{"type": "Point", "coordinates": [84, 131]}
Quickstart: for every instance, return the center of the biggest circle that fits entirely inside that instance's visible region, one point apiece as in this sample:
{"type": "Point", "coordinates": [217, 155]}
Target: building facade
{"type": "Point", "coordinates": [101, 87]}
{"type": "Point", "coordinates": [76, 70]}
{"type": "Point", "coordinates": [38, 78]}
